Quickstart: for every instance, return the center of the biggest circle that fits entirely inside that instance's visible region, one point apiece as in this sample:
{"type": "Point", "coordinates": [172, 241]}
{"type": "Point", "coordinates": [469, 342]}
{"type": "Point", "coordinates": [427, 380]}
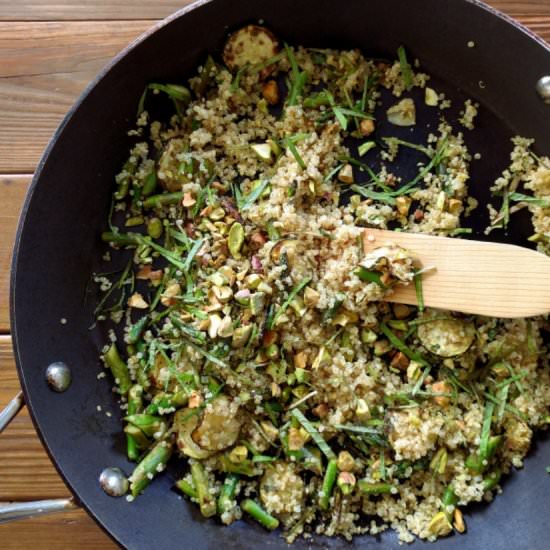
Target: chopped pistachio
{"type": "Point", "coordinates": [168, 296]}
{"type": "Point", "coordinates": [345, 463]}
{"type": "Point", "coordinates": [269, 430]}
{"type": "Point", "coordinates": [297, 304]}
{"type": "Point", "coordinates": [228, 273]}
{"type": "Point", "coordinates": [218, 279]}
{"type": "Point", "coordinates": [222, 293]}
{"type": "Point", "coordinates": [441, 387]}
{"type": "Point", "coordinates": [300, 360]}
{"type": "Point", "coordinates": [264, 287]}
{"type": "Point", "coordinates": [242, 297]}
{"type": "Point", "coordinates": [225, 330]}
{"type": "Point", "coordinates": [263, 151]}
{"type": "Point", "coordinates": [241, 336]}
{"type": "Point", "coordinates": [346, 482]}
{"type": "Point", "coordinates": [401, 311]}
{"type": "Point", "coordinates": [403, 113]}
{"type": "Point", "coordinates": [362, 410]}
{"type": "Point", "coordinates": [235, 239]}
{"type": "Point", "coordinates": [440, 525]}
{"type": "Point", "coordinates": [154, 228]}
{"type": "Point", "coordinates": [381, 347]}
{"type": "Point", "coordinates": [454, 206]}
{"type": "Point", "coordinates": [257, 303]}
{"type": "Point", "coordinates": [238, 454]}
{"type": "Point", "coordinates": [414, 371]}
{"type": "Point", "coordinates": [403, 204]}
{"type": "Point", "coordinates": [136, 301]}
{"type": "Point", "coordinates": [430, 97]}
{"type": "Point", "coordinates": [270, 92]}
{"type": "Point", "coordinates": [214, 324]}
{"type": "Point", "coordinates": [345, 175]}
{"type": "Point", "coordinates": [458, 521]}
{"type": "Point", "coordinates": [311, 297]}
{"type": "Point", "coordinates": [400, 361]}
{"type": "Point", "coordinates": [217, 214]}
{"type": "Point", "coordinates": [297, 438]}
{"type": "Point", "coordinates": [272, 351]}
{"type": "Point", "coordinates": [368, 336]}
{"type": "Point", "coordinates": [366, 127]}
{"type": "Point", "coordinates": [252, 281]}
{"type": "Point", "coordinates": [438, 464]}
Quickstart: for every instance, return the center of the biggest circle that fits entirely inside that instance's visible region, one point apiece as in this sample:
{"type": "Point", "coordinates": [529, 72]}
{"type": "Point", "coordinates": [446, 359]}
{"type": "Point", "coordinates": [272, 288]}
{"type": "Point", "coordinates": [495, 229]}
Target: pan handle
{"type": "Point", "coordinates": [10, 511]}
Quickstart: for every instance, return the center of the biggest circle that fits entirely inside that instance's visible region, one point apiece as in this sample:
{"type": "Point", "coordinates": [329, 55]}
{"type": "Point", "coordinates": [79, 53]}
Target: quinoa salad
{"type": "Point", "coordinates": [248, 334]}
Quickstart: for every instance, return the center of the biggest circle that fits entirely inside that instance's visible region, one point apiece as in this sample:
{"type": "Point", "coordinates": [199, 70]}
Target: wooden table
{"type": "Point", "coordinates": [49, 51]}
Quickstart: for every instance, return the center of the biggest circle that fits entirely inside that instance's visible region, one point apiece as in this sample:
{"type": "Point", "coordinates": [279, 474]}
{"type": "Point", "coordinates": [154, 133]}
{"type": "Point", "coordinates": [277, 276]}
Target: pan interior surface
{"type": "Point", "coordinates": [58, 245]}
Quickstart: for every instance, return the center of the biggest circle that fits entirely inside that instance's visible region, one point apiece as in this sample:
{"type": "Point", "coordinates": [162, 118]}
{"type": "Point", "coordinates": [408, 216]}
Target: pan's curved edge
{"type": "Point", "coordinates": [20, 226]}
{"type": "Point", "coordinates": [66, 120]}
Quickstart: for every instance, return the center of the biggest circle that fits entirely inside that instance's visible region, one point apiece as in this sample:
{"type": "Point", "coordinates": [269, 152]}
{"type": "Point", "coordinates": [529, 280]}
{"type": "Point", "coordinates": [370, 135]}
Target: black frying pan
{"type": "Point", "coordinates": [58, 242]}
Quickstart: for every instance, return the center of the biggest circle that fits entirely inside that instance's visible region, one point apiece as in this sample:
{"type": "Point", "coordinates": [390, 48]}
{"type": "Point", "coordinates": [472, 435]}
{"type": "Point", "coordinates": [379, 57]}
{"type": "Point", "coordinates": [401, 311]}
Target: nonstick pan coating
{"type": "Point", "coordinates": [58, 244]}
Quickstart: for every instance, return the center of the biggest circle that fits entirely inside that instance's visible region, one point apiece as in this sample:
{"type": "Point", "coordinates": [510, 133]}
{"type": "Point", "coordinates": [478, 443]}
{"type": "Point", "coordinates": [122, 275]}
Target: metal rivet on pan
{"type": "Point", "coordinates": [113, 482]}
{"type": "Point", "coordinates": [58, 376]}
{"type": "Point", "coordinates": [543, 88]}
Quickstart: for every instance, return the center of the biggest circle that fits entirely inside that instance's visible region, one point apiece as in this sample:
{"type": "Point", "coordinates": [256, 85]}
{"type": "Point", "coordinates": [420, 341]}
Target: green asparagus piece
{"type": "Point", "coordinates": [207, 502]}
{"type": "Point", "coordinates": [259, 514]}
{"type": "Point", "coordinates": [449, 497]}
{"type": "Point", "coordinates": [163, 199]}
{"type": "Point", "coordinates": [187, 488]}
{"type": "Point", "coordinates": [328, 484]}
{"type": "Point", "coordinates": [153, 462]}
{"type": "Point", "coordinates": [150, 425]}
{"type": "Point", "coordinates": [150, 184]}
{"type": "Point", "coordinates": [374, 488]}
{"type": "Point", "coordinates": [491, 480]}
{"type": "Point", "coordinates": [154, 228]}
{"type": "Point", "coordinates": [119, 369]}
{"type": "Point", "coordinates": [139, 438]}
{"type": "Point", "coordinates": [136, 330]}
{"type": "Point", "coordinates": [227, 494]}
{"type": "Point", "coordinates": [167, 401]}
{"type": "Point", "coordinates": [135, 403]}
{"type": "Point", "coordinates": [120, 239]}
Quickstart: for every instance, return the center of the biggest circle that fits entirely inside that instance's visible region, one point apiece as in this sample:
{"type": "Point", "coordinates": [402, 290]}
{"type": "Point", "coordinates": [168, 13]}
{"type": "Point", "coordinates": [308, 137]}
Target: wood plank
{"type": "Point", "coordinates": [55, 532]}
{"type": "Point", "coordinates": [12, 191]}
{"type": "Point", "coordinates": [521, 8]}
{"type": "Point", "coordinates": [26, 472]}
{"type": "Point", "coordinates": [70, 10]}
{"type": "Point", "coordinates": [43, 69]}
{"type": "Point", "coordinates": [67, 10]}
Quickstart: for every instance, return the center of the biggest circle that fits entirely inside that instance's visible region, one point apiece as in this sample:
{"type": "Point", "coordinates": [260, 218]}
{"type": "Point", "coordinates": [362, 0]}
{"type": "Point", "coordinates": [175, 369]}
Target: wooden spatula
{"type": "Point", "coordinates": [493, 279]}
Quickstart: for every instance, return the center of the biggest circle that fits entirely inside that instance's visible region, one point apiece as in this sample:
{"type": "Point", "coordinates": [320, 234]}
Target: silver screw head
{"type": "Point", "coordinates": [113, 482]}
{"type": "Point", "coordinates": [58, 376]}
{"type": "Point", "coordinates": [543, 88]}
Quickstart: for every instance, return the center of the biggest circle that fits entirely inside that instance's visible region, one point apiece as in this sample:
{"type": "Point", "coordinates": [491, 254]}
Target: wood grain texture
{"type": "Point", "coordinates": [43, 69]}
{"type": "Point", "coordinates": [67, 10]}
{"type": "Point", "coordinates": [12, 193]}
{"type": "Point", "coordinates": [71, 10]}
{"type": "Point", "coordinates": [26, 472]}
{"type": "Point", "coordinates": [64, 531]}
{"type": "Point", "coordinates": [482, 278]}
